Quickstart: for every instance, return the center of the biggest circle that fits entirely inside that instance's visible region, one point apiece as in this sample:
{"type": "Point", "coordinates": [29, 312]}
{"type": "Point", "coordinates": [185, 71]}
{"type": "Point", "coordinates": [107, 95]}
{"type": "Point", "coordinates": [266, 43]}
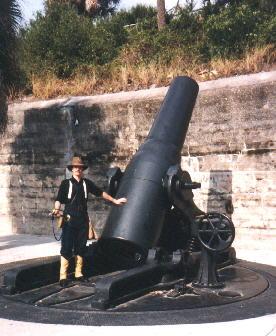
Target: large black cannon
{"type": "Point", "coordinates": [136, 227]}
{"type": "Point", "coordinates": [160, 213]}
{"type": "Point", "coordinates": [159, 193]}
{"type": "Point", "coordinates": [158, 240]}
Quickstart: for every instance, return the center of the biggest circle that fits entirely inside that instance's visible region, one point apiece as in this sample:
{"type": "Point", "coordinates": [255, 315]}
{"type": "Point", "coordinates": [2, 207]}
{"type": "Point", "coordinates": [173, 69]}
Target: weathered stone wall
{"type": "Point", "coordinates": [229, 149]}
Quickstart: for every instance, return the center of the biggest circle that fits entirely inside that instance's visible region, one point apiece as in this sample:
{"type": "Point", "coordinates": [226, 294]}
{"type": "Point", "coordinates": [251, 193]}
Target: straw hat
{"type": "Point", "coordinates": [77, 162]}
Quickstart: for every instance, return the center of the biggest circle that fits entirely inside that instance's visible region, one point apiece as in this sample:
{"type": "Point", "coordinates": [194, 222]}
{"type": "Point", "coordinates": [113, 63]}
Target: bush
{"type": "Point", "coordinates": [267, 34]}
{"type": "Point", "coordinates": [180, 37]}
{"type": "Point", "coordinates": [135, 15]}
{"type": "Point", "coordinates": [232, 31]}
{"type": "Point", "coordinates": [187, 26]}
{"type": "Point", "coordinates": [61, 41]}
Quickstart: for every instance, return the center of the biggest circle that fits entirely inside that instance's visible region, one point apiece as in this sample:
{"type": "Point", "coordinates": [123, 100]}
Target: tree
{"type": "Point", "coordinates": [62, 41]}
{"type": "Point", "coordinates": [10, 17]}
{"type": "Point", "coordinates": [161, 14]}
{"type": "Point", "coordinates": [213, 7]}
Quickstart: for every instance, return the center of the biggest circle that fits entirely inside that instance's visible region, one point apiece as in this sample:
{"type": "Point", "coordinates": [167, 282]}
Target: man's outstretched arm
{"type": "Point", "coordinates": [119, 201]}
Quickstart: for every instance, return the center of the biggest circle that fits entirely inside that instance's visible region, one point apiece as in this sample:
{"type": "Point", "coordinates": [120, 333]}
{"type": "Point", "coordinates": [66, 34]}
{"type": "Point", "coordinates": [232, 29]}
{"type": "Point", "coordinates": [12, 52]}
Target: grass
{"type": "Point", "coordinates": [131, 76]}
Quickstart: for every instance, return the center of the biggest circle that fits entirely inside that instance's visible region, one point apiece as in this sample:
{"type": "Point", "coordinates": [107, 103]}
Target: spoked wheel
{"type": "Point", "coordinates": [216, 231]}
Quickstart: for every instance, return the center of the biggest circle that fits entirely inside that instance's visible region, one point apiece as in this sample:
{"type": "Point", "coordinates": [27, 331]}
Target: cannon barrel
{"type": "Point", "coordinates": [136, 226]}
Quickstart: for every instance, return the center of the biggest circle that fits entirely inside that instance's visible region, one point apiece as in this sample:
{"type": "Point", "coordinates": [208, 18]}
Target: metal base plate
{"type": "Point", "coordinates": [250, 291]}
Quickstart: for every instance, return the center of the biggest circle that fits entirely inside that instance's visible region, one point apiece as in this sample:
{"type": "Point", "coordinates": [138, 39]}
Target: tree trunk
{"type": "Point", "coordinates": [3, 107]}
{"type": "Point", "coordinates": [161, 12]}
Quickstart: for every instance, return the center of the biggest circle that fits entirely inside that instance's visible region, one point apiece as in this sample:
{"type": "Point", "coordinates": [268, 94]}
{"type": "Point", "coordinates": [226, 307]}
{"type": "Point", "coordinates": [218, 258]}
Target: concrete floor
{"type": "Point", "coordinates": [21, 247]}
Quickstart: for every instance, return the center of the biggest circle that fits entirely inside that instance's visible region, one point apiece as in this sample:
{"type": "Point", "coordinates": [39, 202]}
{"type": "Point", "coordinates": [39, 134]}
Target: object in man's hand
{"type": "Point", "coordinates": [61, 218]}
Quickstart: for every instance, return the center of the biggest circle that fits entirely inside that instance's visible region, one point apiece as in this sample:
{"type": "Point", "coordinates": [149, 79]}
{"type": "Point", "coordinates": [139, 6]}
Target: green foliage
{"type": "Point", "coordinates": [230, 30]}
{"type": "Point", "coordinates": [179, 38]}
{"type": "Point", "coordinates": [215, 6]}
{"type": "Point", "coordinates": [62, 40]}
{"type": "Point", "coordinates": [10, 17]}
{"type": "Point", "coordinates": [187, 26]}
{"type": "Point", "coordinates": [267, 32]}
{"type": "Point", "coordinates": [136, 14]}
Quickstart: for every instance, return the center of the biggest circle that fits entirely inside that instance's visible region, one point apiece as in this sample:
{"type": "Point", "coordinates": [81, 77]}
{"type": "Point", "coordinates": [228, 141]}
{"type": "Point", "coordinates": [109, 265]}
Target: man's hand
{"type": "Point", "coordinates": [120, 201]}
{"type": "Point", "coordinates": [56, 212]}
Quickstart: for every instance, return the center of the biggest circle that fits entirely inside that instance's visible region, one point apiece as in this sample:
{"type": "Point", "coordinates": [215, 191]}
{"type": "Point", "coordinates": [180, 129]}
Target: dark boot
{"type": "Point", "coordinates": [64, 265]}
{"type": "Point", "coordinates": [63, 283]}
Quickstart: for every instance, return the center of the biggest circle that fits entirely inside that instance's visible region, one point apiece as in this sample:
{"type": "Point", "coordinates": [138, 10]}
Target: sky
{"type": "Point", "coordinates": [30, 7]}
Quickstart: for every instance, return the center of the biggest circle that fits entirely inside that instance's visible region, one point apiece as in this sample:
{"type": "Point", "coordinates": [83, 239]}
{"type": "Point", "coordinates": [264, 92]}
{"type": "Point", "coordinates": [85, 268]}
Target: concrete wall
{"type": "Point", "coordinates": [229, 149]}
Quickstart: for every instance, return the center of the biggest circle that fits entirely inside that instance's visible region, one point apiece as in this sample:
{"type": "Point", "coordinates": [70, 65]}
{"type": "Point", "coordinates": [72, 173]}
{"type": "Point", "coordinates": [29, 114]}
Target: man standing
{"type": "Point", "coordinates": [73, 193]}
